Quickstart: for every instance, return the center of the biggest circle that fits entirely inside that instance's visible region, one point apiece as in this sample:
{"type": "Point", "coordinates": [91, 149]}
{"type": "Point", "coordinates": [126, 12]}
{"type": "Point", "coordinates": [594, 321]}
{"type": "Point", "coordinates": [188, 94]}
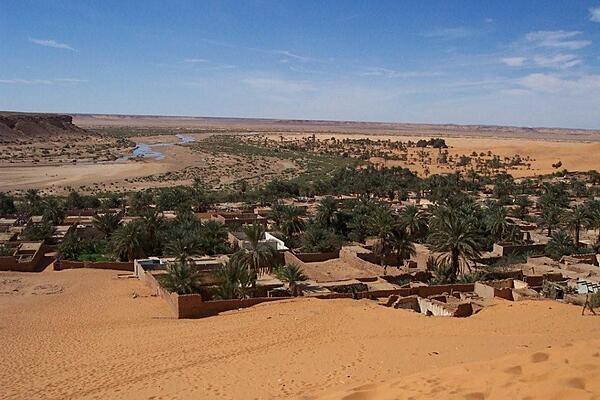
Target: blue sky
{"type": "Point", "coordinates": [526, 63]}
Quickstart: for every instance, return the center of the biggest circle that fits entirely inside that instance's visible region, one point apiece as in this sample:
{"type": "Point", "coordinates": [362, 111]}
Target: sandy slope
{"type": "Point", "coordinates": [93, 339]}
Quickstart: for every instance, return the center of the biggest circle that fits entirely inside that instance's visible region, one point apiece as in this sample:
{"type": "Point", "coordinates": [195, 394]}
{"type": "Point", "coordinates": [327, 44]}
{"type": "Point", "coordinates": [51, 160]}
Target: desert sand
{"type": "Point", "coordinates": [99, 334]}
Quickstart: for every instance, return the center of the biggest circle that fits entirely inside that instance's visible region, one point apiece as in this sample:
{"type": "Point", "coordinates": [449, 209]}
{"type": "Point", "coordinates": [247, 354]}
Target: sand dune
{"type": "Point", "coordinates": [94, 339]}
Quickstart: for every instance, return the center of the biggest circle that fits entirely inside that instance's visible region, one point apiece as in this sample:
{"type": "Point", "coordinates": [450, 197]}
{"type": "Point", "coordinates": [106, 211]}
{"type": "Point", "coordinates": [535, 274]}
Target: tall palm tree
{"type": "Point", "coordinates": [53, 211]}
{"type": "Point", "coordinates": [560, 244]}
{"type": "Point", "coordinates": [152, 223]}
{"type": "Point", "coordinates": [213, 237]}
{"type": "Point", "coordinates": [291, 222]}
{"type": "Point", "coordinates": [235, 280]}
{"type": "Point", "coordinates": [402, 244]}
{"type": "Point", "coordinates": [33, 200]}
{"type": "Point", "coordinates": [180, 278]}
{"type": "Point", "coordinates": [382, 224]}
{"type": "Point", "coordinates": [128, 241]}
{"type": "Point", "coordinates": [258, 256]}
{"type": "Point", "coordinates": [415, 221]}
{"type": "Point", "coordinates": [183, 247]}
{"type": "Point", "coordinates": [495, 222]}
{"type": "Point", "coordinates": [455, 236]}
{"type": "Point", "coordinates": [106, 223]}
{"type": "Point", "coordinates": [550, 218]}
{"type": "Point", "coordinates": [326, 210]}
{"type": "Point", "coordinates": [575, 219]}
{"type": "Point", "coordinates": [291, 273]}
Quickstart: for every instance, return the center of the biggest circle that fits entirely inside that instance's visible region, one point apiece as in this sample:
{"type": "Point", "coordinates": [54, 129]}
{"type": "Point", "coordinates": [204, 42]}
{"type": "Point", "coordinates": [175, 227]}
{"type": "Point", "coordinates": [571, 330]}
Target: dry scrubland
{"type": "Point", "coordinates": [87, 162]}
{"type": "Point", "coordinates": [87, 335]}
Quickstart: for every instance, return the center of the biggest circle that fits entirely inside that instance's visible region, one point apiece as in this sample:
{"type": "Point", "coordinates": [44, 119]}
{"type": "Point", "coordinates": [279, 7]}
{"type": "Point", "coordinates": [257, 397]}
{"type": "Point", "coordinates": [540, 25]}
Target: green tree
{"type": "Point", "coordinates": [560, 244]}
{"type": "Point", "coordinates": [106, 223]}
{"type": "Point", "coordinates": [454, 235]}
{"type": "Point", "coordinates": [235, 280]}
{"type": "Point", "coordinates": [575, 219]}
{"type": "Point", "coordinates": [550, 218]}
{"type": "Point", "coordinates": [53, 211]}
{"type": "Point", "coordinates": [415, 221]}
{"type": "Point", "coordinates": [258, 255]}
{"type": "Point", "coordinates": [401, 243]}
{"type": "Point", "coordinates": [181, 278]}
{"type": "Point", "coordinates": [128, 242]}
{"type": "Point", "coordinates": [292, 274]}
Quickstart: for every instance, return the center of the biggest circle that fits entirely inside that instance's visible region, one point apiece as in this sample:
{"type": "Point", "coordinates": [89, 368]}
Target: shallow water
{"type": "Point", "coordinates": [144, 150]}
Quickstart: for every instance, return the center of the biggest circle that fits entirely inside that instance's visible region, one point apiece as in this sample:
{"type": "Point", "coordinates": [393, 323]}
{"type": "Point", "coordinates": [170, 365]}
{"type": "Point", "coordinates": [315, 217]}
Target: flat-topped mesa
{"type": "Point", "coordinates": [19, 126]}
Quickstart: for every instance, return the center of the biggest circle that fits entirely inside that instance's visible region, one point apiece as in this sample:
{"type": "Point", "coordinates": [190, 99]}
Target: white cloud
{"type": "Point", "coordinates": [595, 14]}
{"type": "Point", "coordinates": [390, 73]}
{"type": "Point", "coordinates": [20, 81]}
{"type": "Point", "coordinates": [195, 60]}
{"type": "Point", "coordinates": [557, 39]}
{"type": "Point", "coordinates": [552, 83]}
{"type": "Point", "coordinates": [449, 33]}
{"type": "Point", "coordinates": [560, 61]}
{"type": "Point", "coordinates": [51, 43]}
{"type": "Point", "coordinates": [514, 61]}
{"type": "Point", "coordinates": [279, 85]}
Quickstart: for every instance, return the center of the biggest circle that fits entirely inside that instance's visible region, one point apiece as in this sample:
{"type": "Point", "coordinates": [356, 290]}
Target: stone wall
{"type": "Point", "coordinates": [119, 266]}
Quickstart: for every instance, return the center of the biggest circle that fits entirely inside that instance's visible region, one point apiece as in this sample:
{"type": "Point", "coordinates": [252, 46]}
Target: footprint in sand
{"type": "Point", "coordinates": [576, 383]}
{"type": "Point", "coordinates": [474, 396]}
{"type": "Point", "coordinates": [539, 357]}
{"type": "Point", "coordinates": [516, 370]}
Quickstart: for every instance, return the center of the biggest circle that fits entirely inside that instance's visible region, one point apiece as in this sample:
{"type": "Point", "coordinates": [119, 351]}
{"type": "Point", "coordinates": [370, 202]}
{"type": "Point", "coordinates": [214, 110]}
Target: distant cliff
{"type": "Point", "coordinates": [24, 126]}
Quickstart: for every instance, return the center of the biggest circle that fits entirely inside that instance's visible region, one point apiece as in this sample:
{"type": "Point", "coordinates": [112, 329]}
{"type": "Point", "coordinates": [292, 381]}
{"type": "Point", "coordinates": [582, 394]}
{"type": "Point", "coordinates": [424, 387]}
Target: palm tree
{"type": "Point", "coordinates": [258, 255]}
{"type": "Point", "coordinates": [550, 218]}
{"type": "Point", "coordinates": [291, 222]}
{"type": "Point", "coordinates": [213, 237]}
{"type": "Point", "coordinates": [291, 273]}
{"type": "Point", "coordinates": [183, 247]}
{"type": "Point", "coordinates": [382, 225]}
{"type": "Point", "coordinates": [415, 221]}
{"type": "Point", "coordinates": [33, 200]}
{"type": "Point", "coordinates": [53, 211]}
{"type": "Point", "coordinates": [575, 219]}
{"type": "Point", "coordinates": [560, 244]}
{"type": "Point", "coordinates": [455, 236]}
{"type": "Point", "coordinates": [326, 210]}
{"type": "Point", "coordinates": [180, 278]}
{"type": "Point", "coordinates": [106, 223]}
{"type": "Point", "coordinates": [235, 280]}
{"type": "Point", "coordinates": [496, 222]}
{"type": "Point", "coordinates": [594, 216]}
{"type": "Point", "coordinates": [128, 241]}
{"type": "Point", "coordinates": [402, 244]}
{"type": "Point", "coordinates": [152, 223]}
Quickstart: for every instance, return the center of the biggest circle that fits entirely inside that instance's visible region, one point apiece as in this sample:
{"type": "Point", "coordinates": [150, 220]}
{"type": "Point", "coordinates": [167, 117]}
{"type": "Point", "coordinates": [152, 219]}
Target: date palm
{"type": "Point", "coordinates": [107, 223]}
{"type": "Point", "coordinates": [455, 236]}
{"type": "Point", "coordinates": [401, 244]}
{"type": "Point", "coordinates": [258, 255]}
{"type": "Point", "coordinates": [415, 221]}
{"type": "Point", "coordinates": [575, 219]}
{"type": "Point", "coordinates": [291, 274]}
{"type": "Point", "coordinates": [180, 278]}
{"type": "Point", "coordinates": [128, 241]}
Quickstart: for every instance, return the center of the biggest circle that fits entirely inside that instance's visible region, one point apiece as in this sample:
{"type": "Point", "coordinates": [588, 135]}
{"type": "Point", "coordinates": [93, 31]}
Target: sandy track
{"type": "Point", "coordinates": [95, 340]}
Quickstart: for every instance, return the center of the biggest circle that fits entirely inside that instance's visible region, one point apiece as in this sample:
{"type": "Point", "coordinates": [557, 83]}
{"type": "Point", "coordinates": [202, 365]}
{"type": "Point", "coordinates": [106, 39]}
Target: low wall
{"type": "Point", "coordinates": [119, 266]}
{"type": "Point", "coordinates": [506, 249]}
{"type": "Point", "coordinates": [317, 257]}
{"type": "Point", "coordinates": [11, 263]}
{"type": "Point", "coordinates": [192, 306]}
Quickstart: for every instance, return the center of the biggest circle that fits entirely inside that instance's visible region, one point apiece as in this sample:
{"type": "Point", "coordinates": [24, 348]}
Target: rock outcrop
{"type": "Point", "coordinates": [25, 126]}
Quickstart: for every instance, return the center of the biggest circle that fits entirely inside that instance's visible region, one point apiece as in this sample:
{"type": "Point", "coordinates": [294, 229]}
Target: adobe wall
{"type": "Point", "coordinates": [119, 266]}
{"type": "Point", "coordinates": [192, 306]}
{"type": "Point", "coordinates": [10, 263]}
{"type": "Point", "coordinates": [505, 249]}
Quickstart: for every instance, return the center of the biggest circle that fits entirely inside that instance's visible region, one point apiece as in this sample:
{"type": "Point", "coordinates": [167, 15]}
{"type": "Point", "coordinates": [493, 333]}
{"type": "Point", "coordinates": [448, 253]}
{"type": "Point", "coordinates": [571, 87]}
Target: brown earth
{"type": "Point", "coordinates": [104, 336]}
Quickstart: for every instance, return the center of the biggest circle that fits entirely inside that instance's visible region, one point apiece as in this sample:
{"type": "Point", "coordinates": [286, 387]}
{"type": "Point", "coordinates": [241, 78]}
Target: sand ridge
{"type": "Point", "coordinates": [95, 339]}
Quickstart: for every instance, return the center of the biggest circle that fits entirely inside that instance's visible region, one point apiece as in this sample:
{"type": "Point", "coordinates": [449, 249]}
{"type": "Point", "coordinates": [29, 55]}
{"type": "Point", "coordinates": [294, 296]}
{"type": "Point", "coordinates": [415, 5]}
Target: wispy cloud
{"type": "Point", "coordinates": [553, 83]}
{"type": "Point", "coordinates": [195, 60]}
{"type": "Point", "coordinates": [560, 61]}
{"type": "Point", "coordinates": [595, 14]}
{"type": "Point", "coordinates": [449, 33]}
{"type": "Point", "coordinates": [390, 73]}
{"type": "Point", "coordinates": [514, 61]}
{"type": "Point", "coordinates": [279, 85]}
{"type": "Point", "coordinates": [51, 43]}
{"type": "Point", "coordinates": [557, 39]}
{"type": "Point", "coordinates": [20, 81]}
